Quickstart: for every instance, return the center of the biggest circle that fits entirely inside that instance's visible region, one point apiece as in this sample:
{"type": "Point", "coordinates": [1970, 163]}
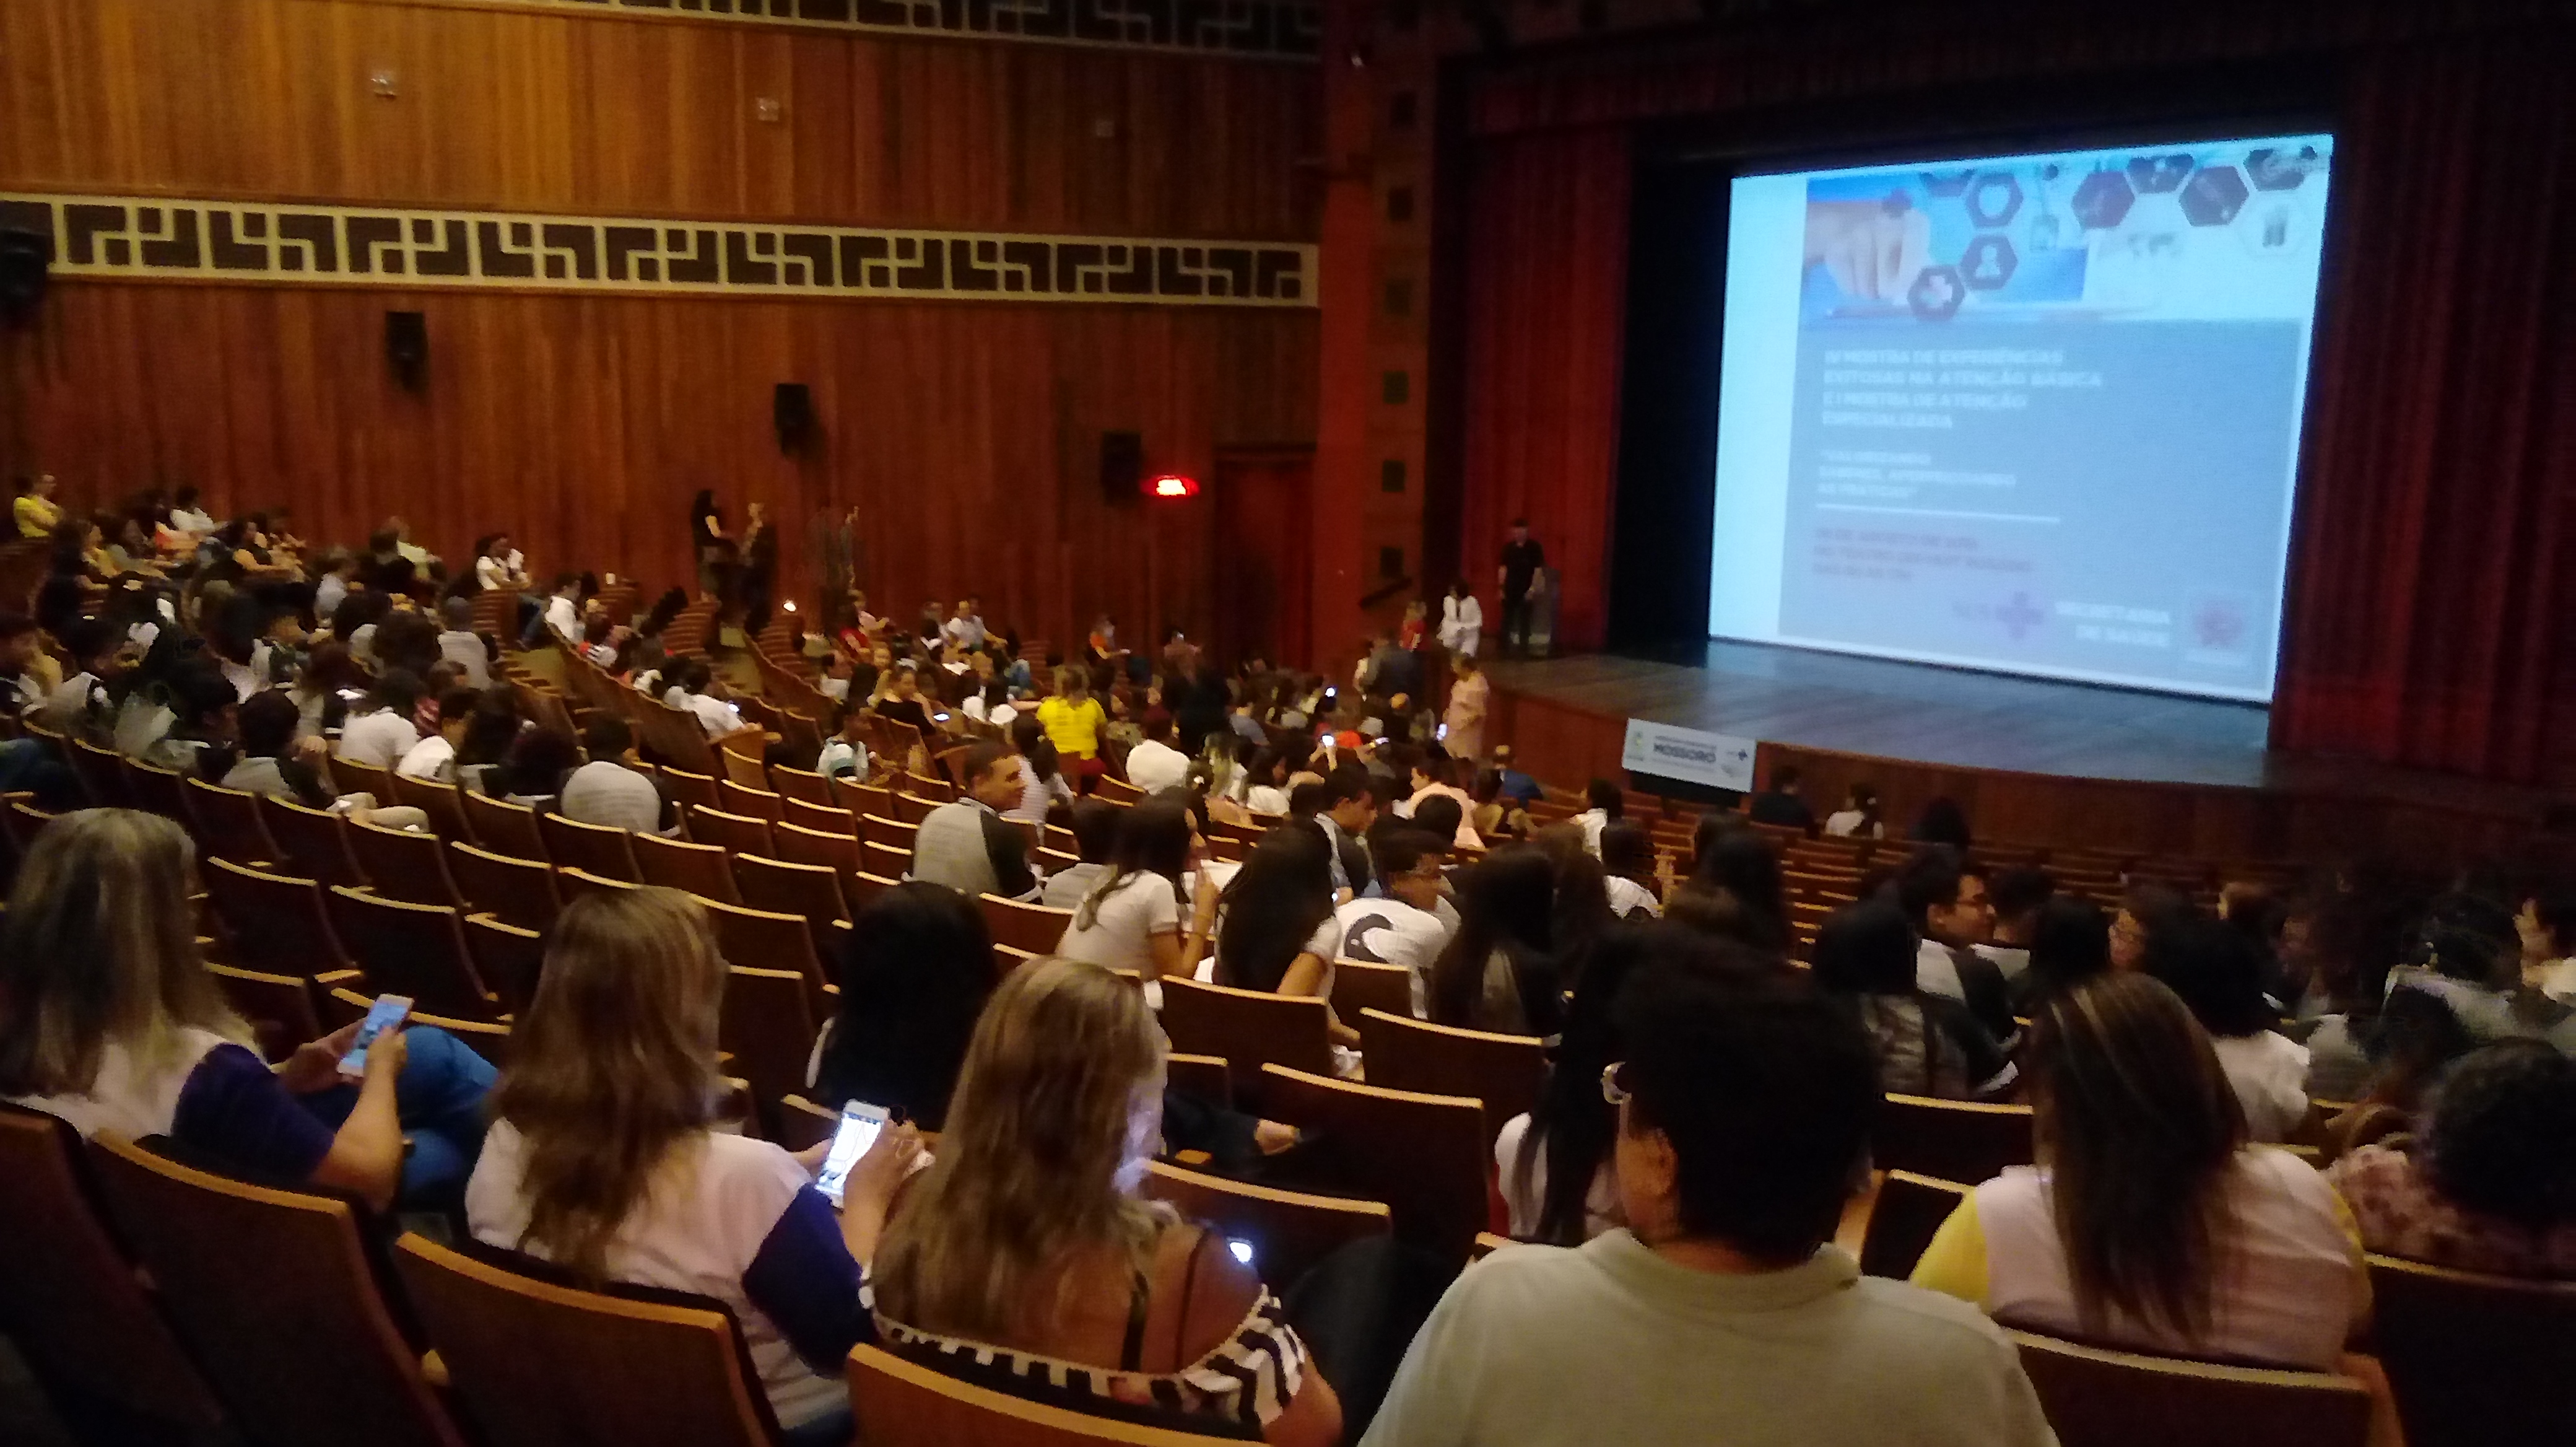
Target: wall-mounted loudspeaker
{"type": "Point", "coordinates": [791, 408]}
{"type": "Point", "coordinates": [1122, 466]}
{"type": "Point", "coordinates": [407, 347]}
{"type": "Point", "coordinates": [24, 256]}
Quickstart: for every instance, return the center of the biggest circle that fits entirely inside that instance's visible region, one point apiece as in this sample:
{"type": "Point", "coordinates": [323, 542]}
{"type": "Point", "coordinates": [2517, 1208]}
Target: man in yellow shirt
{"type": "Point", "coordinates": [34, 508]}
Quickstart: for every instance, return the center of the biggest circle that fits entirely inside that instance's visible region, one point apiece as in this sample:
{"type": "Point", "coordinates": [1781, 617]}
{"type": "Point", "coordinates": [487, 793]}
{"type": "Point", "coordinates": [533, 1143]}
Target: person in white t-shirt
{"type": "Point", "coordinates": [629, 1175]}
{"type": "Point", "coordinates": [1132, 918]}
{"type": "Point", "coordinates": [695, 689]}
{"type": "Point", "coordinates": [563, 610]}
{"type": "Point", "coordinates": [434, 757]}
{"type": "Point", "coordinates": [2218, 973]}
{"type": "Point", "coordinates": [1405, 927]}
{"type": "Point", "coordinates": [1628, 866]}
{"type": "Point", "coordinates": [1154, 765]}
{"type": "Point", "coordinates": [1604, 805]}
{"type": "Point", "coordinates": [380, 737]}
{"type": "Point", "coordinates": [1279, 934]}
{"type": "Point", "coordinates": [499, 567]}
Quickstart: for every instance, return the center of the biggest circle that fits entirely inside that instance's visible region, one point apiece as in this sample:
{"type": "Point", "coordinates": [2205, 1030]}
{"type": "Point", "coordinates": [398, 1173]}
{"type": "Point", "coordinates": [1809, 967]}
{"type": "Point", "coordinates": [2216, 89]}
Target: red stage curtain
{"type": "Point", "coordinates": [2429, 619]}
{"type": "Point", "coordinates": [1546, 277]}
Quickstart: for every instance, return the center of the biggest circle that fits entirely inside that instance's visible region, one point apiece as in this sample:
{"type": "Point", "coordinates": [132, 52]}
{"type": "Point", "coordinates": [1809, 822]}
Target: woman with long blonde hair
{"type": "Point", "coordinates": [604, 1155]}
{"type": "Point", "coordinates": [112, 1023]}
{"type": "Point", "coordinates": [1024, 1260]}
{"type": "Point", "coordinates": [2150, 1222]}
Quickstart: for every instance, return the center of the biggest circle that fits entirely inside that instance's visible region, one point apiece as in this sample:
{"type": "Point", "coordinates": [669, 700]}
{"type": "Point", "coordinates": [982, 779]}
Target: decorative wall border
{"type": "Point", "coordinates": [124, 238]}
{"type": "Point", "coordinates": [1255, 29]}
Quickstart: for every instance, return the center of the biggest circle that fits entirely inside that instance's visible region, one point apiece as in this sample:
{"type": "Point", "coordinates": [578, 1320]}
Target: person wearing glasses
{"type": "Point", "coordinates": [1721, 1311]}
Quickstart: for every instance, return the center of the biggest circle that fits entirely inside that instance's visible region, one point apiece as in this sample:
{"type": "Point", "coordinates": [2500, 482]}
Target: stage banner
{"type": "Point", "coordinates": [1720, 761]}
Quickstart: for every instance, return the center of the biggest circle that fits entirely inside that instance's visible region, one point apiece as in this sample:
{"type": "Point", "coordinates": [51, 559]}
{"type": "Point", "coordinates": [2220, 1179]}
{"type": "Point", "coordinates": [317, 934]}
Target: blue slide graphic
{"type": "Point", "coordinates": [2030, 413]}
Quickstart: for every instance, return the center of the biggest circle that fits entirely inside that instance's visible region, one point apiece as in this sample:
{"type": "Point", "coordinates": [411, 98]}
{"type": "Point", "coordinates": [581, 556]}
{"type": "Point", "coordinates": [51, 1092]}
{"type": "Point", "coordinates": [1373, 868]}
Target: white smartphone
{"type": "Point", "coordinates": [388, 1012]}
{"type": "Point", "coordinates": [1241, 1248]}
{"type": "Point", "coordinates": [860, 1125]}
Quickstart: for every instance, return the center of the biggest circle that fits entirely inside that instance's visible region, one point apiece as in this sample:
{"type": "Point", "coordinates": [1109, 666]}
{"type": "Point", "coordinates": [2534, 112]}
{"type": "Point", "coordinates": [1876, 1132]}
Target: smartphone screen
{"type": "Point", "coordinates": [860, 1123]}
{"type": "Point", "coordinates": [388, 1012]}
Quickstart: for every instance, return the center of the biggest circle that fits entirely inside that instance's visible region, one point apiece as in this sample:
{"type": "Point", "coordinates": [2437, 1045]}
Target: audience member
{"type": "Point", "coordinates": [1345, 805]}
{"type": "Point", "coordinates": [459, 644]}
{"type": "Point", "coordinates": [965, 845]}
{"type": "Point", "coordinates": [1094, 823]}
{"type": "Point", "coordinates": [2070, 942]}
{"type": "Point", "coordinates": [380, 736]}
{"type": "Point", "coordinates": [606, 1156]}
{"type": "Point", "coordinates": [608, 791]}
{"type": "Point", "coordinates": [1945, 901]}
{"type": "Point", "coordinates": [1516, 785]}
{"type": "Point", "coordinates": [1628, 867]}
{"type": "Point", "coordinates": [1413, 920]}
{"type": "Point", "coordinates": [533, 767]}
{"type": "Point", "coordinates": [1744, 866]}
{"type": "Point", "coordinates": [2016, 895]}
{"type": "Point", "coordinates": [1782, 805]}
{"type": "Point", "coordinates": [433, 758]}
{"type": "Point", "coordinates": [1943, 822]}
{"type": "Point", "coordinates": [1500, 971]}
{"type": "Point", "coordinates": [2489, 1184]}
{"type": "Point", "coordinates": [1858, 818]}
{"type": "Point", "coordinates": [914, 973]}
{"type": "Point", "coordinates": [1131, 920]}
{"type": "Point", "coordinates": [1278, 934]}
{"type": "Point", "coordinates": [846, 753]}
{"type": "Point", "coordinates": [2546, 929]}
{"type": "Point", "coordinates": [1553, 1166]}
{"type": "Point", "coordinates": [1026, 1244]}
{"type": "Point", "coordinates": [114, 1024]}
{"type": "Point", "coordinates": [2216, 974]}
{"type": "Point", "coordinates": [1042, 781]}
{"type": "Point", "coordinates": [1603, 805]}
{"type": "Point", "coordinates": [1926, 1044]}
{"type": "Point", "coordinates": [1745, 1103]}
{"type": "Point", "coordinates": [1074, 722]}
{"type": "Point", "coordinates": [1154, 765]}
{"type": "Point", "coordinates": [2151, 1223]}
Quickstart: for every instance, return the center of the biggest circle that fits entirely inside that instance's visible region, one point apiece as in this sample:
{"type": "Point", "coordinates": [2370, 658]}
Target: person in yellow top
{"type": "Point", "coordinates": [1073, 720]}
{"type": "Point", "coordinates": [34, 508]}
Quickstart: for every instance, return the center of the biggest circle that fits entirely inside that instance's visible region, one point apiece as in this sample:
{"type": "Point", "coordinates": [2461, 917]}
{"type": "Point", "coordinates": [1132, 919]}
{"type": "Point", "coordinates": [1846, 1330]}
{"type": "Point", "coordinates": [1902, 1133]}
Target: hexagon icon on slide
{"type": "Point", "coordinates": [2102, 200]}
{"type": "Point", "coordinates": [1988, 262]}
{"type": "Point", "coordinates": [2155, 175]}
{"type": "Point", "coordinates": [1994, 199]}
{"type": "Point", "coordinates": [2273, 168]}
{"type": "Point", "coordinates": [2214, 196]}
{"type": "Point", "coordinates": [1936, 294]}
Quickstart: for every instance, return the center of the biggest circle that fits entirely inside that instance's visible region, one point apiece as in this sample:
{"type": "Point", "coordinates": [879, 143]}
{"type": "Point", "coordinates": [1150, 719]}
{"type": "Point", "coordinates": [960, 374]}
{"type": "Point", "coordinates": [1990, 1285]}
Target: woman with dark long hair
{"type": "Point", "coordinates": [1278, 933]}
{"type": "Point", "coordinates": [2151, 1223]}
{"type": "Point", "coordinates": [2070, 942]}
{"type": "Point", "coordinates": [1499, 971]}
{"type": "Point", "coordinates": [1744, 865]}
{"type": "Point", "coordinates": [915, 972]}
{"type": "Point", "coordinates": [1554, 1163]}
{"type": "Point", "coordinates": [1926, 1044]}
{"type": "Point", "coordinates": [1134, 918]}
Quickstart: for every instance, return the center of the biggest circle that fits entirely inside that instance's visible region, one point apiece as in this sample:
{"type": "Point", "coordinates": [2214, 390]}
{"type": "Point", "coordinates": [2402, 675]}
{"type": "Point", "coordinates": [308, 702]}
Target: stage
{"type": "Point", "coordinates": [2042, 761]}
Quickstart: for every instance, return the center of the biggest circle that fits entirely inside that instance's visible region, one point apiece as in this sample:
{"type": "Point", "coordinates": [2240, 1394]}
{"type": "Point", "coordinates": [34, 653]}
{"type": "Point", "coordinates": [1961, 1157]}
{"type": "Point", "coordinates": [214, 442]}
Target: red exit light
{"type": "Point", "coordinates": [1172, 485]}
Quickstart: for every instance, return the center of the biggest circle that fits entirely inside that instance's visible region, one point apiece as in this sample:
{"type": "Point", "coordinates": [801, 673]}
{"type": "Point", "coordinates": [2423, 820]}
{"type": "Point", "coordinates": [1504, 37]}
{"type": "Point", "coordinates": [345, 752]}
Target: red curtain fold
{"type": "Point", "coordinates": [1546, 276]}
{"type": "Point", "coordinates": [2429, 617]}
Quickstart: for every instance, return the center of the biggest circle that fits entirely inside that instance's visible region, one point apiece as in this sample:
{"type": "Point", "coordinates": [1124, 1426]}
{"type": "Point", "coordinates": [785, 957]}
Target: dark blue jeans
{"type": "Point", "coordinates": [439, 1099]}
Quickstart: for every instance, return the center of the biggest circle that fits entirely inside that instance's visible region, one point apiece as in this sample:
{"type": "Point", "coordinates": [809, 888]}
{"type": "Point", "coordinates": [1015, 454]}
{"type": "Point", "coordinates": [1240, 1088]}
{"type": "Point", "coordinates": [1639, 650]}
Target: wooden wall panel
{"type": "Point", "coordinates": [601, 115]}
{"type": "Point", "coordinates": [967, 433]}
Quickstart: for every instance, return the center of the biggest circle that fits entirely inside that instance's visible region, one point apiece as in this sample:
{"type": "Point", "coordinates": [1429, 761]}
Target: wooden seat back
{"type": "Point", "coordinates": [1503, 1071]}
{"type": "Point", "coordinates": [278, 923]}
{"type": "Point", "coordinates": [1952, 1140]}
{"type": "Point", "coordinates": [413, 949]}
{"type": "Point", "coordinates": [704, 870]}
{"type": "Point", "coordinates": [1289, 1231]}
{"type": "Point", "coordinates": [1248, 1029]}
{"type": "Point", "coordinates": [102, 773]}
{"type": "Point", "coordinates": [775, 942]}
{"type": "Point", "coordinates": [2100, 1398]}
{"type": "Point", "coordinates": [904, 1404]}
{"type": "Point", "coordinates": [68, 1297]}
{"type": "Point", "coordinates": [839, 852]}
{"type": "Point", "coordinates": [595, 848]}
{"type": "Point", "coordinates": [519, 890]}
{"type": "Point", "coordinates": [159, 791]}
{"type": "Point", "coordinates": [273, 1292]}
{"type": "Point", "coordinates": [767, 1025]}
{"type": "Point", "coordinates": [823, 818]}
{"type": "Point", "coordinates": [443, 803]}
{"type": "Point", "coordinates": [802, 785]}
{"type": "Point", "coordinates": [1423, 1155]}
{"type": "Point", "coordinates": [229, 824]}
{"type": "Point", "coordinates": [278, 1008]}
{"type": "Point", "coordinates": [508, 958]}
{"type": "Point", "coordinates": [1031, 927]}
{"type": "Point", "coordinates": [2476, 1358]}
{"type": "Point", "coordinates": [312, 843]}
{"type": "Point", "coordinates": [695, 790]}
{"type": "Point", "coordinates": [808, 891]}
{"type": "Point", "coordinates": [537, 1364]}
{"type": "Point", "coordinates": [504, 827]}
{"type": "Point", "coordinates": [402, 864]}
{"type": "Point", "coordinates": [1364, 985]}
{"type": "Point", "coordinates": [750, 802]}
{"type": "Point", "coordinates": [1903, 1217]}
{"type": "Point", "coordinates": [734, 833]}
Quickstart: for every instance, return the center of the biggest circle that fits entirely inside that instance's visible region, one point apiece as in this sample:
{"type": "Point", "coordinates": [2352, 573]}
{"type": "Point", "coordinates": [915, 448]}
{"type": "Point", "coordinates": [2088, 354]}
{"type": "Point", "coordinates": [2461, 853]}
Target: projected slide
{"type": "Point", "coordinates": [2032, 413]}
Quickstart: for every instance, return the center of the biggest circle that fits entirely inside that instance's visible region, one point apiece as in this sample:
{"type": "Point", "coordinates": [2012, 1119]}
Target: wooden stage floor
{"type": "Point", "coordinates": [1965, 719]}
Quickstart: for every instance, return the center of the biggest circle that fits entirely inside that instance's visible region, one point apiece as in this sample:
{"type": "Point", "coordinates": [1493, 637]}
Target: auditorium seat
{"type": "Point", "coordinates": [504, 827]}
{"type": "Point", "coordinates": [276, 923]}
{"type": "Point", "coordinates": [1503, 1071]}
{"type": "Point", "coordinates": [885, 861]}
{"type": "Point", "coordinates": [228, 824]}
{"type": "Point", "coordinates": [773, 941]}
{"type": "Point", "coordinates": [822, 818]}
{"type": "Point", "coordinates": [1031, 927]}
{"type": "Point", "coordinates": [2100, 1398]}
{"type": "Point", "coordinates": [1201, 1075]}
{"type": "Point", "coordinates": [2474, 1359]}
{"type": "Point", "coordinates": [1248, 1029]}
{"type": "Point", "coordinates": [402, 864]}
{"type": "Point", "coordinates": [809, 891]}
{"type": "Point", "coordinates": [704, 870]}
{"type": "Point", "coordinates": [803, 1125]}
{"type": "Point", "coordinates": [592, 848]}
{"type": "Point", "coordinates": [272, 1292]}
{"type": "Point", "coordinates": [768, 1027]}
{"type": "Point", "coordinates": [75, 1307]}
{"type": "Point", "coordinates": [803, 785]}
{"type": "Point", "coordinates": [508, 959]}
{"type": "Point", "coordinates": [1425, 1156]}
{"type": "Point", "coordinates": [731, 832]}
{"type": "Point", "coordinates": [860, 797]}
{"type": "Point", "coordinates": [314, 843]}
{"type": "Point", "coordinates": [1289, 1231]}
{"type": "Point", "coordinates": [521, 891]}
{"type": "Point", "coordinates": [865, 885]}
{"type": "Point", "coordinates": [759, 804]}
{"type": "Point", "coordinates": [839, 852]}
{"type": "Point", "coordinates": [443, 803]}
{"type": "Point", "coordinates": [577, 883]}
{"type": "Point", "coordinates": [102, 773]}
{"type": "Point", "coordinates": [683, 787]}
{"type": "Point", "coordinates": [741, 761]}
{"type": "Point", "coordinates": [278, 1008]}
{"type": "Point", "coordinates": [157, 790]}
{"type": "Point", "coordinates": [889, 832]}
{"type": "Point", "coordinates": [1903, 1216]}
{"type": "Point", "coordinates": [538, 1363]}
{"type": "Point", "coordinates": [1952, 1140]}
{"type": "Point", "coordinates": [903, 1404]}
{"type": "Point", "coordinates": [413, 949]}
{"type": "Point", "coordinates": [1359, 985]}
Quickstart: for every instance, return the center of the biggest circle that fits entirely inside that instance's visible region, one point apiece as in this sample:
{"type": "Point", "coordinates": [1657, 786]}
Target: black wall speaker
{"type": "Point", "coordinates": [407, 347]}
{"type": "Point", "coordinates": [1122, 466]}
{"type": "Point", "coordinates": [24, 255]}
{"type": "Point", "coordinates": [791, 408]}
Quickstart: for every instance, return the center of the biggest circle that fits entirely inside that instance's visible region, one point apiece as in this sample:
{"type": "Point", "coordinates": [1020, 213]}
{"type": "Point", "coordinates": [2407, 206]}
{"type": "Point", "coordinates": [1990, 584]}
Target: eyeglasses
{"type": "Point", "coordinates": [1611, 1090]}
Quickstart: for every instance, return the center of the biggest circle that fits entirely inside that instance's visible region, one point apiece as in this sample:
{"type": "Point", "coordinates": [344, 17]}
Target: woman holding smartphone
{"type": "Point", "coordinates": [1136, 919]}
{"type": "Point", "coordinates": [113, 1024]}
{"type": "Point", "coordinates": [604, 1156]}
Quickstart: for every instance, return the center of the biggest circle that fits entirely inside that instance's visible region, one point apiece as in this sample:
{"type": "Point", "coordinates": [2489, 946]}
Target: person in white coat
{"type": "Point", "coordinates": [1462, 620]}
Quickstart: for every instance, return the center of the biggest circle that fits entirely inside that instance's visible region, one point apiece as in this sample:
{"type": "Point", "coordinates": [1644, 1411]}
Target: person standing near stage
{"type": "Point", "coordinates": [1519, 575]}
